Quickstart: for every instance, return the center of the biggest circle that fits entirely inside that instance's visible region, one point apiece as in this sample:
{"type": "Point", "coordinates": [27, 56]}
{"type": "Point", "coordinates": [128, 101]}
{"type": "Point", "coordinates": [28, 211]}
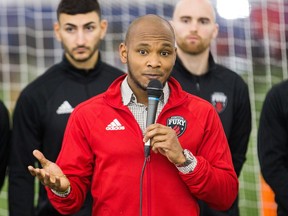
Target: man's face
{"type": "Point", "coordinates": [150, 54]}
{"type": "Point", "coordinates": [194, 25]}
{"type": "Point", "coordinates": [80, 35]}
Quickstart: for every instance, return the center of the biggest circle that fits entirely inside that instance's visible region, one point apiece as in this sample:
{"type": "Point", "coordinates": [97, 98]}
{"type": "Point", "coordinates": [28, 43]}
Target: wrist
{"type": "Point", "coordinates": [189, 164]}
{"type": "Point", "coordinates": [181, 160]}
{"type": "Point", "coordinates": [62, 194]}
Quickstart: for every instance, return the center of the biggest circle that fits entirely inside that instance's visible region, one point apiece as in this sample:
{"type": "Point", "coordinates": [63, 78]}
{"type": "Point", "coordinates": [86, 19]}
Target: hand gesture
{"type": "Point", "coordinates": [50, 175]}
{"type": "Point", "coordinates": [164, 139]}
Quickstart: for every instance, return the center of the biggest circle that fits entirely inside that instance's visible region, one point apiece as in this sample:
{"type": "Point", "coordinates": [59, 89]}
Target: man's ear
{"type": "Point", "coordinates": [216, 30]}
{"type": "Point", "coordinates": [57, 31]}
{"type": "Point", "coordinates": [103, 26]}
{"type": "Point", "coordinates": [123, 53]}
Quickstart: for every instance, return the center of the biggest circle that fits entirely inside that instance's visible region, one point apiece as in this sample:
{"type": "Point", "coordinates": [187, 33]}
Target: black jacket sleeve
{"type": "Point", "coordinates": [241, 125]}
{"type": "Point", "coordinates": [273, 144]}
{"type": "Point", "coordinates": [25, 138]}
{"type": "Point", "coordinates": [4, 141]}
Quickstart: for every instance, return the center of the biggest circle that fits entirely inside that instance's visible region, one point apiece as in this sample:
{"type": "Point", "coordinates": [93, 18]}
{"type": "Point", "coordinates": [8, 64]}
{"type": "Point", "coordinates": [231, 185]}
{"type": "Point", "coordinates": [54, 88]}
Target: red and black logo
{"type": "Point", "coordinates": [219, 101]}
{"type": "Point", "coordinates": [178, 124]}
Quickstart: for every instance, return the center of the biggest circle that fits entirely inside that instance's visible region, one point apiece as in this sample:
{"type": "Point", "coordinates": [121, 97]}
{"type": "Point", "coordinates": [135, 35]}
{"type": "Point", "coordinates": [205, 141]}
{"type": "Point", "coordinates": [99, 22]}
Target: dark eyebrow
{"type": "Point", "coordinates": [85, 25]}
{"type": "Point", "coordinates": [143, 45]}
{"type": "Point", "coordinates": [204, 18]}
{"type": "Point", "coordinates": [168, 45]}
{"type": "Point", "coordinates": [185, 17]}
{"type": "Point", "coordinates": [148, 45]}
{"type": "Point", "coordinates": [88, 24]}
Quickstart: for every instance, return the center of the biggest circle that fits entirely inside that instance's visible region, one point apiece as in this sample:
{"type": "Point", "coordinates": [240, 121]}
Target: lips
{"type": "Point", "coordinates": [193, 38]}
{"type": "Point", "coordinates": [80, 49]}
{"type": "Point", "coordinates": [152, 76]}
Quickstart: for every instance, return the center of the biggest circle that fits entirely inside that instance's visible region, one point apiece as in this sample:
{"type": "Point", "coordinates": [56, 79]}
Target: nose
{"type": "Point", "coordinates": [193, 27]}
{"type": "Point", "coordinates": [154, 61]}
{"type": "Point", "coordinates": [80, 40]}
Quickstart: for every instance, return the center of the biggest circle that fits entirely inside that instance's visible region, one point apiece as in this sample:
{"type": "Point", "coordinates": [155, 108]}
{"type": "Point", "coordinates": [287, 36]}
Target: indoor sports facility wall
{"type": "Point", "coordinates": [252, 41]}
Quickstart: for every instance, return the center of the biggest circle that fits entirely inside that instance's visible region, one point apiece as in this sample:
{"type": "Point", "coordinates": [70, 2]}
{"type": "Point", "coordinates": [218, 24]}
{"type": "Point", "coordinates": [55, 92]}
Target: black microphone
{"type": "Point", "coordinates": [154, 91]}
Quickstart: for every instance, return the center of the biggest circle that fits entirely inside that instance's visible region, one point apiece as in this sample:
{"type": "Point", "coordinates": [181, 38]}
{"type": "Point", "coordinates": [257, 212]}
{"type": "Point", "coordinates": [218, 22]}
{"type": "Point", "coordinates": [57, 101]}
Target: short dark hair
{"type": "Point", "coordinates": [73, 7]}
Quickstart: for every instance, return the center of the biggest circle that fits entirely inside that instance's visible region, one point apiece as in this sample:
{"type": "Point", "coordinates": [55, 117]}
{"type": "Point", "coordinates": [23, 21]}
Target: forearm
{"type": "Point", "coordinates": [73, 201]}
{"type": "Point", "coordinates": [209, 183]}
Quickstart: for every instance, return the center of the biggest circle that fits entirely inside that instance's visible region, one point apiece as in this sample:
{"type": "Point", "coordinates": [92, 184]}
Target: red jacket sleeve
{"type": "Point", "coordinates": [76, 161]}
{"type": "Point", "coordinates": [213, 179]}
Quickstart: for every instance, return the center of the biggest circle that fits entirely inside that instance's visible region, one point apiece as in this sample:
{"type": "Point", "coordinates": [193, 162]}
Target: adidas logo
{"type": "Point", "coordinates": [64, 108]}
{"type": "Point", "coordinates": [115, 125]}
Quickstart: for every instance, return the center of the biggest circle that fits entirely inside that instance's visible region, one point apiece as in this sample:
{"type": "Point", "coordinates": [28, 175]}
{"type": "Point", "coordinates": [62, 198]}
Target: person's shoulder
{"type": "Point", "coordinates": [276, 99]}
{"type": "Point", "coordinates": [228, 75]}
{"type": "Point", "coordinates": [280, 88]}
{"type": "Point", "coordinates": [94, 104]}
{"type": "Point", "coordinates": [3, 108]}
{"type": "Point", "coordinates": [111, 69]}
{"type": "Point", "coordinates": [51, 76]}
{"type": "Point", "coordinates": [283, 85]}
{"type": "Point", "coordinates": [227, 71]}
{"type": "Point", "coordinates": [1, 104]}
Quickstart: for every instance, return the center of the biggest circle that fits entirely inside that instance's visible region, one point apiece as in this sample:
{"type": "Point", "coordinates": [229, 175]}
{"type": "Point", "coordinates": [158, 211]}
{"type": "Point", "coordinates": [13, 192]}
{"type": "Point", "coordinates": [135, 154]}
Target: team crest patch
{"type": "Point", "coordinates": [178, 124]}
{"type": "Point", "coordinates": [219, 101]}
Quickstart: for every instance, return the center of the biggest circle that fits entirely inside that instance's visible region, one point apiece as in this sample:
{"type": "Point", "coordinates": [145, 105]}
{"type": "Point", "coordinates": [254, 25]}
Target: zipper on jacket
{"type": "Point", "coordinates": [197, 84]}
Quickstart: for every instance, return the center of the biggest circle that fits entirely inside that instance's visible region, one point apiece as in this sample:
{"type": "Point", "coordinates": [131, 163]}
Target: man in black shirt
{"type": "Point", "coordinates": [195, 27]}
{"type": "Point", "coordinates": [44, 106]}
{"type": "Point", "coordinates": [273, 144]}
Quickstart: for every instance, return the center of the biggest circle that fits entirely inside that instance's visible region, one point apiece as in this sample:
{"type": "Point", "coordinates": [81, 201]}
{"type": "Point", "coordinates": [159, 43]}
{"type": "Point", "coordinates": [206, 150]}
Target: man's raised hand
{"type": "Point", "coordinates": [50, 174]}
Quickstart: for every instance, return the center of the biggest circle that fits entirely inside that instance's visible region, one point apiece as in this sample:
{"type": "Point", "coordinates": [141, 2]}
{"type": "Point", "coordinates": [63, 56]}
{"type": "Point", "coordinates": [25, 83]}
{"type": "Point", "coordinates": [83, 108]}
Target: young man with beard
{"type": "Point", "coordinates": [195, 28]}
{"type": "Point", "coordinates": [43, 108]}
{"type": "Point", "coordinates": [103, 146]}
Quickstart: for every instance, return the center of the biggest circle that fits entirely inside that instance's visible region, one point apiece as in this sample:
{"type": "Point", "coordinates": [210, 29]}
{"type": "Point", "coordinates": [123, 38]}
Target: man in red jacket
{"type": "Point", "coordinates": [103, 147]}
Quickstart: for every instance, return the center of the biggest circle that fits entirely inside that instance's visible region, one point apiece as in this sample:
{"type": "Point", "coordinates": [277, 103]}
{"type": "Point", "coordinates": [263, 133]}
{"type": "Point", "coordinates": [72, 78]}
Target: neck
{"type": "Point", "coordinates": [139, 93]}
{"type": "Point", "coordinates": [195, 64]}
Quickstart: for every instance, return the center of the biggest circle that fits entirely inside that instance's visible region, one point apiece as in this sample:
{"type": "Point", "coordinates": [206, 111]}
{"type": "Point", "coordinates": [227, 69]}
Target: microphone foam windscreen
{"type": "Point", "coordinates": [154, 88]}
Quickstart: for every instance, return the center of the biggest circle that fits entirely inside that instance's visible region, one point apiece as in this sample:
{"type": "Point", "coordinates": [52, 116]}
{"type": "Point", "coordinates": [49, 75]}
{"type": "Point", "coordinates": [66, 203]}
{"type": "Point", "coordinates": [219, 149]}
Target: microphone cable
{"type": "Point", "coordinates": [141, 183]}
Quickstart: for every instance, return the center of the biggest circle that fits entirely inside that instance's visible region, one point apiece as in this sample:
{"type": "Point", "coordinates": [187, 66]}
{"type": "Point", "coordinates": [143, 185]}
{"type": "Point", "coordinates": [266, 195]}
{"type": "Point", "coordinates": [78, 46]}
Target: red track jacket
{"type": "Point", "coordinates": [103, 152]}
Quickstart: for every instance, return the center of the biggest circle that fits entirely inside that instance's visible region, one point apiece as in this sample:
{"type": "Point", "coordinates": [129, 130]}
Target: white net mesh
{"type": "Point", "coordinates": [255, 47]}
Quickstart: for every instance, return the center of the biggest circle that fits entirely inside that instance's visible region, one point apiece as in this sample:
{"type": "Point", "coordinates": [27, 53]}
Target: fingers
{"type": "Point", "coordinates": [41, 158]}
{"type": "Point", "coordinates": [32, 170]}
{"type": "Point", "coordinates": [161, 136]}
{"type": "Point", "coordinates": [153, 130]}
{"type": "Point", "coordinates": [164, 140]}
{"type": "Point", "coordinates": [45, 178]}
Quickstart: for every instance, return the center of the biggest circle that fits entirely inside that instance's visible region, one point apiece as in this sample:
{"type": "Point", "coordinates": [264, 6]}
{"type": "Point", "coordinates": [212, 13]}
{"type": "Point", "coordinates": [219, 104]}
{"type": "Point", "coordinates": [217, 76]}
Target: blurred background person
{"type": "Point", "coordinates": [4, 141]}
{"type": "Point", "coordinates": [273, 144]}
{"type": "Point", "coordinates": [44, 106]}
{"type": "Point", "coordinates": [195, 27]}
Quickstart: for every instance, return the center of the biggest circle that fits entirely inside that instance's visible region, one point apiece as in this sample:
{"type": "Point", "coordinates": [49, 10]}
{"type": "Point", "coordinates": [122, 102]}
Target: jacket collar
{"type": "Point", "coordinates": [80, 73]}
{"type": "Point", "coordinates": [181, 68]}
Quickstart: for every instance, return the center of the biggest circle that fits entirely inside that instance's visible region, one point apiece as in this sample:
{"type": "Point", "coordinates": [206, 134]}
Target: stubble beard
{"type": "Point", "coordinates": [72, 56]}
{"type": "Point", "coordinates": [193, 49]}
{"type": "Point", "coordinates": [134, 79]}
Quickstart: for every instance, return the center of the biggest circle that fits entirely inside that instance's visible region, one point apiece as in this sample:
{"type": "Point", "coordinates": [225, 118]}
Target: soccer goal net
{"type": "Point", "coordinates": [252, 41]}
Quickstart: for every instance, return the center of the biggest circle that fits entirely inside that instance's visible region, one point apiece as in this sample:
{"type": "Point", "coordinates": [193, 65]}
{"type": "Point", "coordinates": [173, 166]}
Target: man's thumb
{"type": "Point", "coordinates": [40, 157]}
